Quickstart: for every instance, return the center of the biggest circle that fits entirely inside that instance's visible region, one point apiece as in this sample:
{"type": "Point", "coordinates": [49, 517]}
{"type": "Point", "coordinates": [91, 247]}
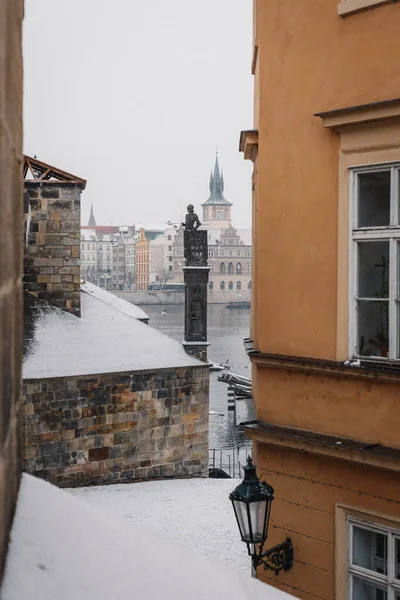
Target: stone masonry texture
{"type": "Point", "coordinates": [117, 427]}
{"type": "Point", "coordinates": [52, 255]}
{"type": "Point", "coordinates": [11, 220]}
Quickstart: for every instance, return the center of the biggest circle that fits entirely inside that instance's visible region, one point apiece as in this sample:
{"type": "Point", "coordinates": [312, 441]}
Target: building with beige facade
{"type": "Point", "coordinates": [325, 341]}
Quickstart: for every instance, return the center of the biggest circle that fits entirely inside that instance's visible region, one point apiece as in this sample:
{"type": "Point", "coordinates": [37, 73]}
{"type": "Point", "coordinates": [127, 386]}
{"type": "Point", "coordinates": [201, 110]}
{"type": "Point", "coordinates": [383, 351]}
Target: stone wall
{"type": "Point", "coordinates": [52, 256]}
{"type": "Point", "coordinates": [11, 194]}
{"type": "Point", "coordinates": [117, 427]}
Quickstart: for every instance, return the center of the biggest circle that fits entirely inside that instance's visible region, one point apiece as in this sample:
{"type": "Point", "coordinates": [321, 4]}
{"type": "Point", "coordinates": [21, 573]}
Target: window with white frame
{"type": "Point", "coordinates": [375, 293]}
{"type": "Point", "coordinates": [373, 562]}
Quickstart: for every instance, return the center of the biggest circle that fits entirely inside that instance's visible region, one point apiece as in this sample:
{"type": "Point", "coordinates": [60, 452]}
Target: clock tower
{"type": "Point", "coordinates": [217, 210]}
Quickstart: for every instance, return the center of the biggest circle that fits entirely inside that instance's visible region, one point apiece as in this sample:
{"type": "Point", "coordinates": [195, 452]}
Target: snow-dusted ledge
{"type": "Point", "coordinates": [63, 549]}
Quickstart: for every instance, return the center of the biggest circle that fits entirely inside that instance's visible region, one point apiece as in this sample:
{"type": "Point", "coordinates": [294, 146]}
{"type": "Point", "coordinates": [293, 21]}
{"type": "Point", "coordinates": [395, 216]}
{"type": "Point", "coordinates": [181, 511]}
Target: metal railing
{"type": "Point", "coordinates": [227, 463]}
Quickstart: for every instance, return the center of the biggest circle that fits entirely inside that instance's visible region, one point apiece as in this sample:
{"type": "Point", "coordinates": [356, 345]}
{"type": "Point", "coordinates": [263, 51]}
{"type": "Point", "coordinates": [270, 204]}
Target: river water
{"type": "Point", "coordinates": [226, 331]}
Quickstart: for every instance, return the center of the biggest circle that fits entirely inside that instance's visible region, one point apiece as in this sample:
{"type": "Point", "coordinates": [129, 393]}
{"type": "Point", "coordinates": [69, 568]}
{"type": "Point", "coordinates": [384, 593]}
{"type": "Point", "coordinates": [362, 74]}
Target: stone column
{"type": "Point", "coordinates": [196, 279]}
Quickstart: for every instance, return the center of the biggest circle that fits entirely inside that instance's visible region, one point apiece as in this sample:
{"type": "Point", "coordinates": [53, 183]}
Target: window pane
{"type": "Point", "coordinates": [370, 550]}
{"type": "Point", "coordinates": [373, 269]}
{"type": "Point", "coordinates": [398, 272]}
{"type": "Point", "coordinates": [374, 199]}
{"type": "Point", "coordinates": [363, 590]}
{"type": "Point", "coordinates": [373, 328]}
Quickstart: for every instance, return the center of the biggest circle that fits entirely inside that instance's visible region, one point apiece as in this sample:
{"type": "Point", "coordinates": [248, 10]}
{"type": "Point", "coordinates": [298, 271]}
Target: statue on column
{"type": "Point", "coordinates": [192, 221]}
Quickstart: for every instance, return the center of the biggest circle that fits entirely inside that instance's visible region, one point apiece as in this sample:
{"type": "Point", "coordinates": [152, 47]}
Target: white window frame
{"type": "Point", "coordinates": [389, 233]}
{"type": "Point", "coordinates": [389, 581]}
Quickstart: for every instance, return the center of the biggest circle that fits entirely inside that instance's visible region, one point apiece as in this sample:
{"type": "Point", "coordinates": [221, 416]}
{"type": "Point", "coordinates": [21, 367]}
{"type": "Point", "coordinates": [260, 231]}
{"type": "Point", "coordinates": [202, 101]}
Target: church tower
{"type": "Point", "coordinates": [92, 220]}
{"type": "Point", "coordinates": [217, 210]}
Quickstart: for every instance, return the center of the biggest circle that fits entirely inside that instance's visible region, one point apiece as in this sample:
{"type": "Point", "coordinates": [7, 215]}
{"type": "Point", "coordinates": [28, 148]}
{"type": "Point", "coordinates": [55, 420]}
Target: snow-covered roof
{"type": "Point", "coordinates": [198, 509]}
{"type": "Point", "coordinates": [105, 339]}
{"type": "Point", "coordinates": [89, 235]}
{"type": "Point", "coordinates": [112, 300]}
{"type": "Point", "coordinates": [88, 554]}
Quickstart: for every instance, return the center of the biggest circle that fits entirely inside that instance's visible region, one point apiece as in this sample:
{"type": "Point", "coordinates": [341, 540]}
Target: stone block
{"type": "Point", "coordinates": [99, 453]}
{"type": "Point", "coordinates": [50, 191]}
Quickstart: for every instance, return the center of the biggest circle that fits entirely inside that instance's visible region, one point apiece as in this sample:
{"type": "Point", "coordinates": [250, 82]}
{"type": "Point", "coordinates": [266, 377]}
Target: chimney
{"type": "Point", "coordinates": [52, 242]}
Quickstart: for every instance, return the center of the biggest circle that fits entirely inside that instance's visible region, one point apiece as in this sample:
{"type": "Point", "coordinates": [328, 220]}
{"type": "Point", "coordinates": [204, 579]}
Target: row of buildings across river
{"type": "Point", "coordinates": [149, 256]}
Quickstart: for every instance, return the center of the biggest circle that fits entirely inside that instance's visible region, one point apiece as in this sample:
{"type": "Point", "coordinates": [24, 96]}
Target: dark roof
{"type": "Point", "coordinates": [217, 187]}
{"type": "Point", "coordinates": [37, 171]}
{"type": "Point", "coordinates": [92, 220]}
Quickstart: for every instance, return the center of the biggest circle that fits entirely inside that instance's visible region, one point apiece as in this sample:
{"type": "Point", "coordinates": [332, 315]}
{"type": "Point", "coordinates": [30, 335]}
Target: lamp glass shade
{"type": "Point", "coordinates": [251, 502]}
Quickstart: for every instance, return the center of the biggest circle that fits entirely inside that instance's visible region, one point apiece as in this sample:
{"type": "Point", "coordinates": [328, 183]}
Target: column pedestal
{"type": "Point", "coordinates": [196, 284]}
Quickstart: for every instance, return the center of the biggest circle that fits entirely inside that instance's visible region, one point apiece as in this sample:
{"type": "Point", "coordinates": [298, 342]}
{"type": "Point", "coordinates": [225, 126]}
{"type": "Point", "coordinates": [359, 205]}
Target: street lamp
{"type": "Point", "coordinates": [251, 502]}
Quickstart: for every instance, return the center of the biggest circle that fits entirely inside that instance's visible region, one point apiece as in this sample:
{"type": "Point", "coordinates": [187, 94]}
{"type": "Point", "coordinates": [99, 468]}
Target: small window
{"type": "Point", "coordinates": [230, 268]}
{"type": "Point", "coordinates": [222, 285]}
{"type": "Point", "coordinates": [249, 285]}
{"type": "Point", "coordinates": [238, 268]}
{"type": "Point", "coordinates": [169, 238]}
{"type": "Point", "coordinates": [238, 285]}
{"type": "Point", "coordinates": [230, 285]}
{"type": "Point", "coordinates": [211, 286]}
{"type": "Point", "coordinates": [170, 268]}
{"type": "Point", "coordinates": [373, 562]}
{"type": "Point", "coordinates": [222, 268]}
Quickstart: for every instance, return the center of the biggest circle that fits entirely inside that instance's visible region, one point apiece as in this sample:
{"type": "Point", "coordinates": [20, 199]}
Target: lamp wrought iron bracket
{"type": "Point", "coordinates": [276, 559]}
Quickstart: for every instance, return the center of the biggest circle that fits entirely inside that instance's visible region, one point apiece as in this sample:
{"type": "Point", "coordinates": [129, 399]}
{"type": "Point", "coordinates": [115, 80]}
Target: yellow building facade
{"type": "Point", "coordinates": [142, 261]}
{"type": "Point", "coordinates": [325, 327]}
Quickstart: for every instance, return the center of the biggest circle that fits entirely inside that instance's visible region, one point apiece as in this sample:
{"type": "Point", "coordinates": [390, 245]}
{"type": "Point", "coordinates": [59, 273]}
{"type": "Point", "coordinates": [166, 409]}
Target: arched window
{"type": "Point", "coordinates": [230, 268]}
{"type": "Point", "coordinates": [211, 285]}
{"type": "Point", "coordinates": [249, 285]}
{"type": "Point", "coordinates": [222, 285]}
{"type": "Point", "coordinates": [222, 268]}
{"type": "Point", "coordinates": [239, 268]}
{"type": "Point", "coordinates": [238, 285]}
{"type": "Point", "coordinates": [230, 285]}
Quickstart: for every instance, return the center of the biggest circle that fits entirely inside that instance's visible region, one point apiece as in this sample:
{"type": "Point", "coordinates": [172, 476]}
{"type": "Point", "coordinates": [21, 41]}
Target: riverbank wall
{"type": "Point", "coordinates": [163, 297]}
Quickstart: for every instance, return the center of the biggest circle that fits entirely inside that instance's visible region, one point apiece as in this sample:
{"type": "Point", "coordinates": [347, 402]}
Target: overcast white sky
{"type": "Point", "coordinates": [135, 96]}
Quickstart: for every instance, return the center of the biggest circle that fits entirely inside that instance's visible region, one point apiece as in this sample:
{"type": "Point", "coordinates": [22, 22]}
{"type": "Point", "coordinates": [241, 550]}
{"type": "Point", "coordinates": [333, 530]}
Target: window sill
{"type": "Point", "coordinates": [357, 367]}
{"type": "Point", "coordinates": [348, 7]}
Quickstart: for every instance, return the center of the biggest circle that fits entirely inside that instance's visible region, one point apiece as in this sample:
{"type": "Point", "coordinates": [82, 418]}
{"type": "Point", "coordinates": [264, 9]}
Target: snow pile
{"type": "Point", "coordinates": [118, 303]}
{"type": "Point", "coordinates": [103, 340]}
{"type": "Point", "coordinates": [63, 549]}
{"type": "Point", "coordinates": [193, 512]}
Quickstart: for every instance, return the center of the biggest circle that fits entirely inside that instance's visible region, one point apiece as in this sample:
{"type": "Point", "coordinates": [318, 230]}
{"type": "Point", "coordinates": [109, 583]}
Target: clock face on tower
{"type": "Point", "coordinates": [220, 214]}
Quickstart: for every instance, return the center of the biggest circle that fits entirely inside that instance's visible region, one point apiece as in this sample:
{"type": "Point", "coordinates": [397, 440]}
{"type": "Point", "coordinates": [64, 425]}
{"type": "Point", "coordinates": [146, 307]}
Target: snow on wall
{"type": "Point", "coordinates": [62, 548]}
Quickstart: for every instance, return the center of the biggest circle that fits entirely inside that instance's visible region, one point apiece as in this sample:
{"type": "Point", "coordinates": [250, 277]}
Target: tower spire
{"type": "Point", "coordinates": [216, 185]}
{"type": "Point", "coordinates": [92, 220]}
